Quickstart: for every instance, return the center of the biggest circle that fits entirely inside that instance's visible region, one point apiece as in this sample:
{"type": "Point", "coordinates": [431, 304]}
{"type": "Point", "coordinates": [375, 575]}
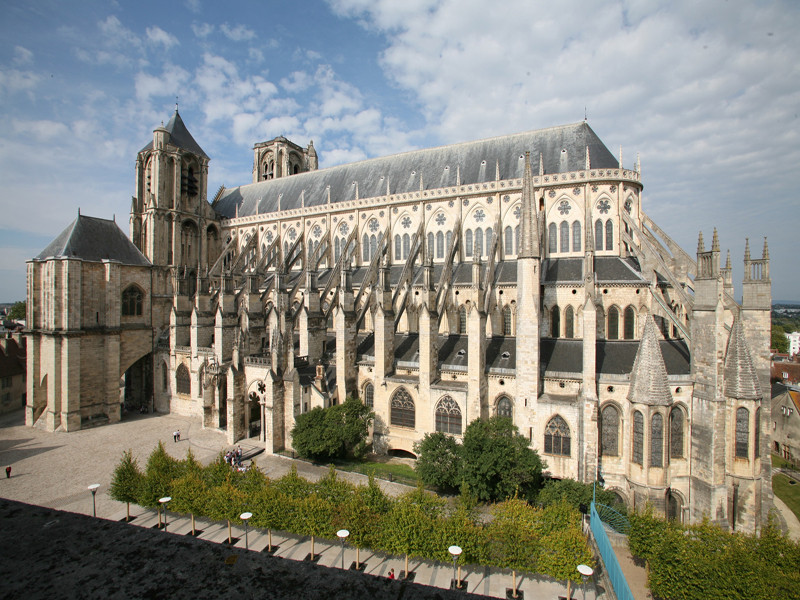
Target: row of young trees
{"type": "Point", "coordinates": [418, 524]}
{"type": "Point", "coordinates": [705, 562]}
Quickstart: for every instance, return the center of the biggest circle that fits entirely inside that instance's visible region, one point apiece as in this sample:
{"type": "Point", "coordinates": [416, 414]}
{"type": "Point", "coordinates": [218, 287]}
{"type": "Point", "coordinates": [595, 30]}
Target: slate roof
{"type": "Point", "coordinates": [94, 239]}
{"type": "Point", "coordinates": [179, 136]}
{"type": "Point", "coordinates": [609, 269]}
{"type": "Point", "coordinates": [741, 380]}
{"type": "Point", "coordinates": [649, 383]}
{"type": "Point", "coordinates": [475, 161]}
{"type": "Point", "coordinates": [615, 357]}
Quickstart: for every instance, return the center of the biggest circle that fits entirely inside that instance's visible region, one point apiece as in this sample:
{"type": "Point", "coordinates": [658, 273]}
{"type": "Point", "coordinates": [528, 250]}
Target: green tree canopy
{"type": "Point", "coordinates": [126, 482]}
{"type": "Point", "coordinates": [497, 461]}
{"type": "Point", "coordinates": [575, 493]}
{"type": "Point", "coordinates": [333, 432]}
{"type": "Point", "coordinates": [439, 461]}
{"type": "Point", "coordinates": [17, 312]}
{"type": "Point", "coordinates": [160, 471]}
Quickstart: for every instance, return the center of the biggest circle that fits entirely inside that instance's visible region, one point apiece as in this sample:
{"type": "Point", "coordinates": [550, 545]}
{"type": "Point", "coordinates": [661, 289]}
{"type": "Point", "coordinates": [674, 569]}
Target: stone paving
{"type": "Point", "coordinates": [54, 470]}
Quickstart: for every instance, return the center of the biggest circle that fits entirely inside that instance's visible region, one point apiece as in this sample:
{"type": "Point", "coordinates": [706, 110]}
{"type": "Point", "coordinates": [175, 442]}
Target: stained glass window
{"type": "Point", "coordinates": [758, 433]}
{"type": "Point", "coordinates": [657, 441]}
{"type": "Point", "coordinates": [598, 235]}
{"type": "Point", "coordinates": [552, 238]}
{"type": "Point", "coordinates": [613, 323]}
{"type": "Point", "coordinates": [509, 241]}
{"type": "Point", "coordinates": [468, 242]}
{"type": "Point", "coordinates": [369, 395]}
{"type": "Point", "coordinates": [402, 409]}
{"type": "Point", "coordinates": [555, 321]}
{"type": "Point", "coordinates": [132, 302]}
{"type": "Point", "coordinates": [556, 437]}
{"type": "Point", "coordinates": [629, 323]}
{"type": "Point", "coordinates": [576, 236]}
{"type": "Point", "coordinates": [507, 320]}
{"type": "Point", "coordinates": [183, 382]}
{"type": "Point", "coordinates": [504, 407]}
{"type": "Point", "coordinates": [638, 437]}
{"type": "Point", "coordinates": [462, 320]}
{"type": "Point", "coordinates": [742, 432]}
{"type": "Point", "coordinates": [609, 431]}
{"type": "Point", "coordinates": [569, 323]}
{"type": "Point", "coordinates": [440, 245]}
{"type": "Point", "coordinates": [676, 433]}
{"type": "Point", "coordinates": [448, 416]}
{"type": "Point", "coordinates": [609, 235]}
{"type": "Point", "coordinates": [564, 236]}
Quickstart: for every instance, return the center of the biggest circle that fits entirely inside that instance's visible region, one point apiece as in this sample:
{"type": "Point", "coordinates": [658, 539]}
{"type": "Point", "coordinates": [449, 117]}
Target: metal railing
{"type": "Point", "coordinates": [615, 574]}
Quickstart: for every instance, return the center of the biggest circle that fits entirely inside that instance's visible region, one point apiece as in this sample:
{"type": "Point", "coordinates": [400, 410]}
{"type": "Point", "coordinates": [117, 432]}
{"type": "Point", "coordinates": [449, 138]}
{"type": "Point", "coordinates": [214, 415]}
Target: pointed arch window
{"type": "Point", "coordinates": [449, 240]}
{"type": "Point", "coordinates": [373, 246]}
{"type": "Point", "coordinates": [576, 236]}
{"type": "Point", "coordinates": [508, 242]}
{"type": "Point", "coordinates": [468, 242]}
{"type": "Point", "coordinates": [507, 320]}
{"type": "Point", "coordinates": [439, 245]}
{"type": "Point", "coordinates": [429, 249]}
{"type": "Point", "coordinates": [365, 248]}
{"type": "Point", "coordinates": [598, 235]}
{"type": "Point", "coordinates": [398, 247]}
{"type": "Point", "coordinates": [638, 438]}
{"type": "Point", "coordinates": [448, 416]}
{"type": "Point", "coordinates": [609, 235]}
{"type": "Point", "coordinates": [657, 440]}
{"type": "Point", "coordinates": [629, 323]}
{"type": "Point", "coordinates": [479, 242]}
{"type": "Point", "coordinates": [609, 431]}
{"type": "Point", "coordinates": [557, 437]}
{"type": "Point", "coordinates": [564, 236]}
{"type": "Point", "coordinates": [613, 323]}
{"type": "Point", "coordinates": [552, 238]}
{"type": "Point", "coordinates": [406, 245]}
{"type": "Point", "coordinates": [676, 433]}
{"type": "Point", "coordinates": [402, 411]}
{"type": "Point", "coordinates": [489, 240]}
{"type": "Point", "coordinates": [516, 239]}
{"type": "Point", "coordinates": [742, 433]}
{"type": "Point", "coordinates": [183, 383]}
{"type": "Point", "coordinates": [555, 321]}
{"type": "Point", "coordinates": [132, 302]}
{"type": "Point", "coordinates": [504, 407]}
{"type": "Point", "coordinates": [369, 395]}
{"type": "Point", "coordinates": [462, 320]}
{"type": "Point", "coordinates": [569, 323]}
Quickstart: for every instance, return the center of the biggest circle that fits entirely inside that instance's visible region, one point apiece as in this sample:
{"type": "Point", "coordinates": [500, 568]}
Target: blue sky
{"type": "Point", "coordinates": [707, 94]}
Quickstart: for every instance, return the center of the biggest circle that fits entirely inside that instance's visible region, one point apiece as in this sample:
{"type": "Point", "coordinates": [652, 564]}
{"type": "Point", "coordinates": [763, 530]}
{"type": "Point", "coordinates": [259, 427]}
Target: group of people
{"type": "Point", "coordinates": [176, 435]}
{"type": "Point", "coordinates": [234, 458]}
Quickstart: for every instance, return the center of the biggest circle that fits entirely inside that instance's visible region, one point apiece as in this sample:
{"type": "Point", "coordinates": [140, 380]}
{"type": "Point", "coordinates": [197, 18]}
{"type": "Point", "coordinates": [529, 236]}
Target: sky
{"type": "Point", "coordinates": [707, 94]}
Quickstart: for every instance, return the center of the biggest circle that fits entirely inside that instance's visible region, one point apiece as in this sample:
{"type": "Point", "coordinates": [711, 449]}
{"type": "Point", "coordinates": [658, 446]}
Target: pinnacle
{"type": "Point", "coordinates": [649, 384]}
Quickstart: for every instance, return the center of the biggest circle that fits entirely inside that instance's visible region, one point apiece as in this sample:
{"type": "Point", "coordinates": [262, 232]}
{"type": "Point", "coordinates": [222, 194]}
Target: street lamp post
{"type": "Point", "coordinates": [585, 571]}
{"type": "Point", "coordinates": [93, 489]}
{"type": "Point", "coordinates": [455, 552]}
{"type": "Point", "coordinates": [342, 535]}
{"type": "Point", "coordinates": [245, 516]}
{"type": "Point", "coordinates": [163, 501]}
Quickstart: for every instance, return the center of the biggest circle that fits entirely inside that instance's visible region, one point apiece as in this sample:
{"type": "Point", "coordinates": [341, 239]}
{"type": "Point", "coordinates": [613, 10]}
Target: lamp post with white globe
{"type": "Point", "coordinates": [93, 489]}
{"type": "Point", "coordinates": [455, 552]}
{"type": "Point", "coordinates": [245, 516]}
{"type": "Point", "coordinates": [342, 535]}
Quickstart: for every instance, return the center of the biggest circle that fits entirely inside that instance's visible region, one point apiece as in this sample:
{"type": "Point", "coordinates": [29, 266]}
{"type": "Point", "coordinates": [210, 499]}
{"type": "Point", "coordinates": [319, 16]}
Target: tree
{"type": "Point", "coordinates": [779, 340]}
{"type": "Point", "coordinates": [190, 495]}
{"type": "Point", "coordinates": [439, 461]}
{"type": "Point", "coordinates": [126, 481]}
{"type": "Point", "coordinates": [333, 432]}
{"type": "Point", "coordinates": [17, 312]}
{"type": "Point", "coordinates": [225, 502]}
{"type": "Point", "coordinates": [497, 461]}
{"type": "Point", "coordinates": [575, 493]}
{"type": "Point", "coordinates": [512, 542]}
{"type": "Point", "coordinates": [160, 471]}
{"type": "Point", "coordinates": [315, 518]}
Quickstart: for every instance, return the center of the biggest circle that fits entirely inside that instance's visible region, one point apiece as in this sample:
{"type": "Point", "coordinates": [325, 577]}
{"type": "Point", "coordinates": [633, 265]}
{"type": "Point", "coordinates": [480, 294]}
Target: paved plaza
{"type": "Point", "coordinates": [55, 469]}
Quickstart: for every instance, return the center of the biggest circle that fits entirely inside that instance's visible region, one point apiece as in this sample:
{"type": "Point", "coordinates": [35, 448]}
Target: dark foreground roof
{"type": "Point", "coordinates": [53, 554]}
{"type": "Point", "coordinates": [93, 239]}
{"type": "Point", "coordinates": [179, 136]}
{"type": "Point", "coordinates": [475, 162]}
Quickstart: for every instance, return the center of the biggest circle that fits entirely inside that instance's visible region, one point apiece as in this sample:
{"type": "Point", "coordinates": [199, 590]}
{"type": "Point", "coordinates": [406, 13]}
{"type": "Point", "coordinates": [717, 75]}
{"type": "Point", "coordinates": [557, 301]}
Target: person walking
{"type": "Point", "coordinates": [178, 433]}
{"type": "Point", "coordinates": [8, 472]}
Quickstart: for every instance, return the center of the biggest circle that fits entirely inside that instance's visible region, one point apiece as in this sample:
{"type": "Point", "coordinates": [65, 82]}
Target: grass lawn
{"type": "Point", "coordinates": [398, 471]}
{"type": "Point", "coordinates": [790, 494]}
{"type": "Point", "coordinates": [780, 462]}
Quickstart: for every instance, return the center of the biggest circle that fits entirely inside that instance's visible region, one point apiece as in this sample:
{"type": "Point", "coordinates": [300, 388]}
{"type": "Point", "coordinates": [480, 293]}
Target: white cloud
{"type": "Point", "coordinates": [194, 5]}
{"type": "Point", "coordinates": [202, 30]}
{"type": "Point", "coordinates": [13, 81]}
{"type": "Point", "coordinates": [22, 56]}
{"type": "Point", "coordinates": [237, 33]}
{"type": "Point", "coordinates": [255, 55]}
{"type": "Point", "coordinates": [298, 81]}
{"type": "Point", "coordinates": [42, 130]}
{"type": "Point", "coordinates": [171, 80]}
{"type": "Point", "coordinates": [158, 36]}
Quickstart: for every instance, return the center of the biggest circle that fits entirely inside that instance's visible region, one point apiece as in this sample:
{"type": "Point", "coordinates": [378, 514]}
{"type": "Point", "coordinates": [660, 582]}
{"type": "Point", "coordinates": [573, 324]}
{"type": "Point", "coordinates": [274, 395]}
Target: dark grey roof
{"type": "Point", "coordinates": [93, 239]}
{"type": "Point", "coordinates": [741, 380]}
{"type": "Point", "coordinates": [477, 162]}
{"type": "Point", "coordinates": [179, 136]}
{"type": "Point", "coordinates": [612, 358]}
{"type": "Point", "coordinates": [505, 273]}
{"type": "Point", "coordinates": [649, 383]}
{"type": "Point", "coordinates": [609, 269]}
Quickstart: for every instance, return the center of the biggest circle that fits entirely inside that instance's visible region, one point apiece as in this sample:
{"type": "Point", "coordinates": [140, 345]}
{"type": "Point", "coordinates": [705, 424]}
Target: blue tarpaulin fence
{"type": "Point", "coordinates": [618, 581]}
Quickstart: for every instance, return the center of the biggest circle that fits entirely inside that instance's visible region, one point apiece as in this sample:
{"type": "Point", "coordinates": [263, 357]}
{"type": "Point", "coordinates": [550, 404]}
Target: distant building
{"type": "Point", "coordinates": [794, 343]}
{"type": "Point", "coordinates": [786, 421]}
{"type": "Point", "coordinates": [785, 369]}
{"type": "Point", "coordinates": [517, 276]}
{"type": "Point", "coordinates": [12, 372]}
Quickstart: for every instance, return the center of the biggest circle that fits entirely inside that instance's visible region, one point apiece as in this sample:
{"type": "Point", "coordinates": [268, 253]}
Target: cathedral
{"type": "Point", "coordinates": [518, 275]}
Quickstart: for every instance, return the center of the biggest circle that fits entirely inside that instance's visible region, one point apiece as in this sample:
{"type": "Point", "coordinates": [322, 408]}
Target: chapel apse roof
{"type": "Point", "coordinates": [179, 136]}
{"type": "Point", "coordinates": [476, 162]}
{"type": "Point", "coordinates": [94, 239]}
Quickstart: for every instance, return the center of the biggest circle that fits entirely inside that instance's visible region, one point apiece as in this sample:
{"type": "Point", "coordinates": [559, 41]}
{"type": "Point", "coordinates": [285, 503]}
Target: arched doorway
{"type": "Point", "coordinates": [674, 506]}
{"type": "Point", "coordinates": [137, 386]}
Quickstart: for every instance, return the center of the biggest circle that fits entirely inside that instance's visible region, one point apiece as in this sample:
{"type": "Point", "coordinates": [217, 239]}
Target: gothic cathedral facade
{"type": "Point", "coordinates": [516, 276]}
